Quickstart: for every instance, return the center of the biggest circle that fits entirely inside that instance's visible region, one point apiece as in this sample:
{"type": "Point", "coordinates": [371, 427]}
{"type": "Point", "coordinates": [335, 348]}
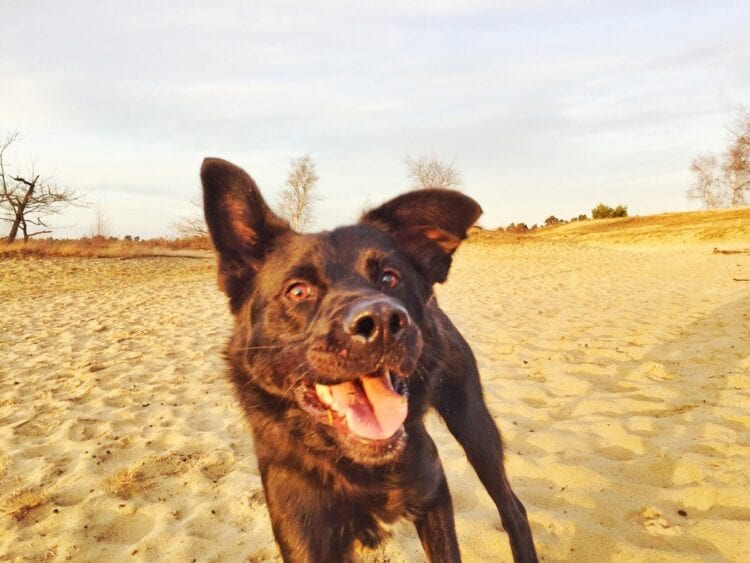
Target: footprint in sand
{"type": "Point", "coordinates": [107, 526]}
{"type": "Point", "coordinates": [617, 453]}
{"type": "Point", "coordinates": [218, 464]}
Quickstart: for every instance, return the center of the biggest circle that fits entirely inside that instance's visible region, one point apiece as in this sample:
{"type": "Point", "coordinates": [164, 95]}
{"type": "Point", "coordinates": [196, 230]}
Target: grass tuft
{"type": "Point", "coordinates": [126, 482]}
{"type": "Point", "coordinates": [20, 503]}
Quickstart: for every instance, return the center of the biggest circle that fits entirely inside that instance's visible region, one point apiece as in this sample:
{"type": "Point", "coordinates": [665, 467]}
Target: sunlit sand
{"type": "Point", "coordinates": [616, 364]}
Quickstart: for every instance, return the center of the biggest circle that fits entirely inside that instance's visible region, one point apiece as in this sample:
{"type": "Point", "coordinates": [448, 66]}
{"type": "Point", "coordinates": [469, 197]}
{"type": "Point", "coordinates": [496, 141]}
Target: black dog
{"type": "Point", "coordinates": [339, 349]}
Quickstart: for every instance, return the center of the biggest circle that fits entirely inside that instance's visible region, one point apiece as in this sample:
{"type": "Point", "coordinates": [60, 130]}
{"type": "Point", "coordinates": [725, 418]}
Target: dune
{"type": "Point", "coordinates": [696, 228]}
{"type": "Point", "coordinates": [614, 355]}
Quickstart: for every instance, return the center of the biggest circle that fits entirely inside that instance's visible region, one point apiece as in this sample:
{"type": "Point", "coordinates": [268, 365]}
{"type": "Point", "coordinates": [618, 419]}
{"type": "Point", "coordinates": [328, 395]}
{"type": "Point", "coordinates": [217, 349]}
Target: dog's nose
{"type": "Point", "coordinates": [373, 320]}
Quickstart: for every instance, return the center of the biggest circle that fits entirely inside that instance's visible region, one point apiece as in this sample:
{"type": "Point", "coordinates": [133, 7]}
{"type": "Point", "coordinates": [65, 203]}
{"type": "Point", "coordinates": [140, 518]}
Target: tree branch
{"type": "Point", "coordinates": [38, 233]}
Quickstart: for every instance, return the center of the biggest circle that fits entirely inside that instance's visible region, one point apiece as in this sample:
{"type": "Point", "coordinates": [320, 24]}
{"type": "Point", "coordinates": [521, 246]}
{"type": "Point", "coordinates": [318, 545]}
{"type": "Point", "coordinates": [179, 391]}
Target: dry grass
{"type": "Point", "coordinates": [126, 482]}
{"type": "Point", "coordinates": [708, 227]}
{"type": "Point", "coordinates": [20, 503]}
{"type": "Point", "coordinates": [143, 473]}
{"type": "Point", "coordinates": [106, 248]}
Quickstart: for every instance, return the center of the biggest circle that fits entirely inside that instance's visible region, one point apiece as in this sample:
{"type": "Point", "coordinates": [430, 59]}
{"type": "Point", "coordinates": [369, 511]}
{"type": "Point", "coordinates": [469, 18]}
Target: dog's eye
{"type": "Point", "coordinates": [389, 279]}
{"type": "Point", "coordinates": [299, 291]}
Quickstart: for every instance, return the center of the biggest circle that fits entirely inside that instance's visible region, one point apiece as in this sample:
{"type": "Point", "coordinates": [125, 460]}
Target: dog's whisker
{"type": "Point", "coordinates": [292, 385]}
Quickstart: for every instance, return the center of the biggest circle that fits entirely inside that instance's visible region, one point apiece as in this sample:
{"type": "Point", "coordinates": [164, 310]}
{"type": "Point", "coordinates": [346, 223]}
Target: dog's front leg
{"type": "Point", "coordinates": [436, 527]}
{"type": "Point", "coordinates": [431, 504]}
{"type": "Point", "coordinates": [308, 525]}
{"type": "Point", "coordinates": [462, 406]}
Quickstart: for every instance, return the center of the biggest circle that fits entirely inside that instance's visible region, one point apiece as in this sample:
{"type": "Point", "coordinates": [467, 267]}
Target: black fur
{"type": "Point", "coordinates": [352, 306]}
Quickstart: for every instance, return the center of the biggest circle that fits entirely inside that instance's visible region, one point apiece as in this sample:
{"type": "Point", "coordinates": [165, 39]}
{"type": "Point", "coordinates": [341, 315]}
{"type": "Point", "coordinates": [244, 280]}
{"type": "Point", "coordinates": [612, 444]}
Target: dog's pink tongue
{"type": "Point", "coordinates": [374, 410]}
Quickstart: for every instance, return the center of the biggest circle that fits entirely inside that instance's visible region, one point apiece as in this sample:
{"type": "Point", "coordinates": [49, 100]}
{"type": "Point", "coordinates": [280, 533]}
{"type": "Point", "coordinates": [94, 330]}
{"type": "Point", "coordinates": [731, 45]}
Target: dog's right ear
{"type": "Point", "coordinates": [243, 228]}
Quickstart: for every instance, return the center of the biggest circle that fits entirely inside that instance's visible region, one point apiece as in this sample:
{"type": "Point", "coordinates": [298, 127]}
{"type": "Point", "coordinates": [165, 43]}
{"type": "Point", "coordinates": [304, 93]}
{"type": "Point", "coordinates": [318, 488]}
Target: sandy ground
{"type": "Point", "coordinates": [618, 376]}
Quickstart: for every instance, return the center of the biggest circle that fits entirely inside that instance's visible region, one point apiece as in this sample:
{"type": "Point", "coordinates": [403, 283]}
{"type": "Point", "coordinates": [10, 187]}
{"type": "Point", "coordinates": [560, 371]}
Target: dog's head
{"type": "Point", "coordinates": [330, 325]}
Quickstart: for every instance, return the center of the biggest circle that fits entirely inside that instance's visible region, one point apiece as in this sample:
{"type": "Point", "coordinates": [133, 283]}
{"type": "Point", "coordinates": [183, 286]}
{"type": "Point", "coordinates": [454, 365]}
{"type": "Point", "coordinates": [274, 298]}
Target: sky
{"type": "Point", "coordinates": [545, 108]}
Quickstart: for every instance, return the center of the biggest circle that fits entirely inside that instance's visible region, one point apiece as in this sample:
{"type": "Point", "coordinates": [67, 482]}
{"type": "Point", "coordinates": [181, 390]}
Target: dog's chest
{"type": "Point", "coordinates": [395, 506]}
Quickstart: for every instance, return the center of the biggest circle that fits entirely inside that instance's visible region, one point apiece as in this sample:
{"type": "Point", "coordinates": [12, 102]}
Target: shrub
{"type": "Point", "coordinates": [603, 211]}
{"type": "Point", "coordinates": [520, 228]}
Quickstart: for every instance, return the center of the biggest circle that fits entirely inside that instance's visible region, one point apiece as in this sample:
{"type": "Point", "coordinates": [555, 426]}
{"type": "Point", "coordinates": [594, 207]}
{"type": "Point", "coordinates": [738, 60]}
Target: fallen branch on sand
{"type": "Point", "coordinates": [717, 251]}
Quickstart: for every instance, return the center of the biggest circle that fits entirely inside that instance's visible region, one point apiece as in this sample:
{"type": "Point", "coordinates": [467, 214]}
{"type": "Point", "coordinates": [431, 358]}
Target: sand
{"type": "Point", "coordinates": [618, 375]}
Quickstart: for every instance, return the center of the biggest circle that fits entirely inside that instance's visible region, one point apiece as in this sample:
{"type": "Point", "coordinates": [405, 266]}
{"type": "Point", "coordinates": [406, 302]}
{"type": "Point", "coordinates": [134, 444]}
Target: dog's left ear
{"type": "Point", "coordinates": [429, 225]}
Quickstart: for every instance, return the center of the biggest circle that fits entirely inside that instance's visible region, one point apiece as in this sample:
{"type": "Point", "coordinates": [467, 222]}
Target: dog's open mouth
{"type": "Point", "coordinates": [373, 407]}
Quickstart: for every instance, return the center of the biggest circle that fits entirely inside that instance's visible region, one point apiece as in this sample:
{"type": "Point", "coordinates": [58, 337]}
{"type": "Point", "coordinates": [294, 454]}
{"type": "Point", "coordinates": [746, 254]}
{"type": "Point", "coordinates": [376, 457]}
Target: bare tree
{"type": "Point", "coordinates": [26, 199]}
{"type": "Point", "coordinates": [297, 200]}
{"type": "Point", "coordinates": [737, 159]}
{"type": "Point", "coordinates": [708, 184]}
{"type": "Point", "coordinates": [101, 227]}
{"type": "Point", "coordinates": [725, 183]}
{"type": "Point", "coordinates": [432, 172]}
{"type": "Point", "coordinates": [192, 226]}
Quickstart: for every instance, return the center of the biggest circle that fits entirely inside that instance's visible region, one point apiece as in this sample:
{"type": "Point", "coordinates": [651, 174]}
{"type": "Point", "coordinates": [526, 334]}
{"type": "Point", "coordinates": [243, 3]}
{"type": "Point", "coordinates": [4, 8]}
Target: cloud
{"type": "Point", "coordinates": [537, 102]}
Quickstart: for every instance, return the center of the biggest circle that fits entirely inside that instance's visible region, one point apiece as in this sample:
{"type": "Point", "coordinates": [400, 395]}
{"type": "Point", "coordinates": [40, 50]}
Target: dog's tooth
{"type": "Point", "coordinates": [389, 379]}
{"type": "Point", "coordinates": [324, 394]}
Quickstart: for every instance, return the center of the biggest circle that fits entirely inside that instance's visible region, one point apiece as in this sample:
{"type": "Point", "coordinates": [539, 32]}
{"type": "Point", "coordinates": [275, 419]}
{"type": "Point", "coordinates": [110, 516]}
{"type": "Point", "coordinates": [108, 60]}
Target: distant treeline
{"type": "Point", "coordinates": [601, 211]}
